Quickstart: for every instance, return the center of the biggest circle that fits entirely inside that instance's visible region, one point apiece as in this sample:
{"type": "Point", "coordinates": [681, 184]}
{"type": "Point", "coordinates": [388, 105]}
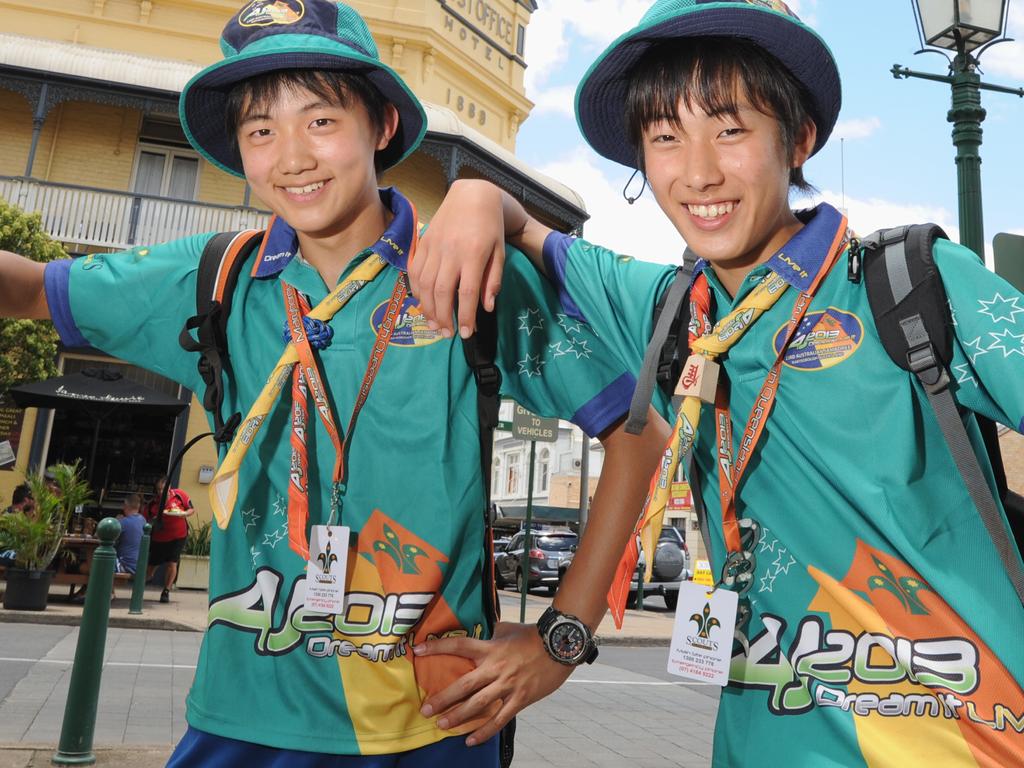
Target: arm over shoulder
{"type": "Point", "coordinates": [615, 294]}
{"type": "Point", "coordinates": [554, 363]}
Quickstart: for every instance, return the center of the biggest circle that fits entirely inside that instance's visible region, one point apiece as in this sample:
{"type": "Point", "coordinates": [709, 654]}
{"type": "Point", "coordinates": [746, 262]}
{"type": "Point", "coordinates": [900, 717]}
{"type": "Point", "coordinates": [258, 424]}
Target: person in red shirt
{"type": "Point", "coordinates": [170, 529]}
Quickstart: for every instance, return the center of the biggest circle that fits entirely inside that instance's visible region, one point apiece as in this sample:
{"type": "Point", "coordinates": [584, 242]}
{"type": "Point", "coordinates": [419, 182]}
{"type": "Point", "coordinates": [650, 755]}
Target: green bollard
{"type": "Point", "coordinates": [76, 733]}
{"type": "Point", "coordinates": [139, 583]}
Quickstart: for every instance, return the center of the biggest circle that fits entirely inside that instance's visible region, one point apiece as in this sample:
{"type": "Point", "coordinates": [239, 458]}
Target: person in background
{"type": "Point", "coordinates": [169, 532]}
{"type": "Point", "coordinates": [132, 523]}
{"type": "Point", "coordinates": [21, 500]}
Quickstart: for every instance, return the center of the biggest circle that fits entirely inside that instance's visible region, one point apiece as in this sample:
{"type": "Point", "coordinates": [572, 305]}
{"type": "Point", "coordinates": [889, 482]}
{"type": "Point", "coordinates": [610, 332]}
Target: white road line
{"type": "Point", "coordinates": [66, 662]}
{"type": "Point", "coordinates": [629, 682]}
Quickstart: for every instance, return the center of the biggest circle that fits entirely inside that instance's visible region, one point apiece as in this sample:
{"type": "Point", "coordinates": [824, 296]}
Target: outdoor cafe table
{"type": "Point", "coordinates": [83, 547]}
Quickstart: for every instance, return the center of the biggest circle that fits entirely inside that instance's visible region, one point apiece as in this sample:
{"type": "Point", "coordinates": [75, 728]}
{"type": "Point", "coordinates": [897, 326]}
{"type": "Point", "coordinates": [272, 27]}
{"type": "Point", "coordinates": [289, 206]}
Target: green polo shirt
{"type": "Point", "coordinates": [884, 629]}
{"type": "Point", "coordinates": [270, 671]}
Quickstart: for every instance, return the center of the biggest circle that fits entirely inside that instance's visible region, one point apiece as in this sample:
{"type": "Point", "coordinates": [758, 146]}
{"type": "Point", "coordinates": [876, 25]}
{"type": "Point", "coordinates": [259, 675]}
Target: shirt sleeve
{"type": "Point", "coordinates": [131, 305]}
{"type": "Point", "coordinates": [613, 293]}
{"type": "Point", "coordinates": [553, 363]}
{"type": "Point", "coordinates": [988, 322]}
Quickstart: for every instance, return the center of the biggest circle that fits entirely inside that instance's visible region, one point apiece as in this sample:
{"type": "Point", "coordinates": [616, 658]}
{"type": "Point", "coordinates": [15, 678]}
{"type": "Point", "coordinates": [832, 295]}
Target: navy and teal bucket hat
{"type": "Point", "coordinates": [769, 24]}
{"type": "Point", "coordinates": [271, 35]}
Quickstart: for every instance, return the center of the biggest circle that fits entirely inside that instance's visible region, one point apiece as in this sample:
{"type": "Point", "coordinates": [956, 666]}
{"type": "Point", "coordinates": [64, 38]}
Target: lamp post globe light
{"type": "Point", "coordinates": [965, 28]}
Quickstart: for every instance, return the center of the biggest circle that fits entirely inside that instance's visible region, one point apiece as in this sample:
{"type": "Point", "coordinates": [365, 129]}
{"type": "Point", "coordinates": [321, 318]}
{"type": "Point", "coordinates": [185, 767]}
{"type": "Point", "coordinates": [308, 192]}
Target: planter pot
{"type": "Point", "coordinates": [194, 572]}
{"type": "Point", "coordinates": [27, 590]}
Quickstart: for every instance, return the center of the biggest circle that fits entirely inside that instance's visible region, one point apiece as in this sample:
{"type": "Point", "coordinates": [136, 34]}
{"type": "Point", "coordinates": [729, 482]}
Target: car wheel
{"type": "Point", "coordinates": [520, 587]}
{"type": "Point", "coordinates": [671, 600]}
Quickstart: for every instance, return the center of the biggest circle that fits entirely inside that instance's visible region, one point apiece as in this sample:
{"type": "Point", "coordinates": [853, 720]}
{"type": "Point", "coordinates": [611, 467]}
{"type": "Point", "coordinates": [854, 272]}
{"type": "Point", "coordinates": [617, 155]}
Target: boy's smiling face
{"type": "Point", "coordinates": [723, 182]}
{"type": "Point", "coordinates": [312, 162]}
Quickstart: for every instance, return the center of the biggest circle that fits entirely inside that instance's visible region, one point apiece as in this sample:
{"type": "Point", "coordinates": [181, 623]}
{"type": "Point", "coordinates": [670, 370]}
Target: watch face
{"type": "Point", "coordinates": [567, 641]}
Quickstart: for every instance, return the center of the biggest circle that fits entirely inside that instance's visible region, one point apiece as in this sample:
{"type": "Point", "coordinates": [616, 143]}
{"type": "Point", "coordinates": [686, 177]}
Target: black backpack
{"type": "Point", "coordinates": [911, 311]}
{"type": "Point", "coordinates": [219, 268]}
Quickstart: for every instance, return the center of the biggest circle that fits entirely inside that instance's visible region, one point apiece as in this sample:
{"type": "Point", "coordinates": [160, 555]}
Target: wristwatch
{"type": "Point", "coordinates": [566, 639]}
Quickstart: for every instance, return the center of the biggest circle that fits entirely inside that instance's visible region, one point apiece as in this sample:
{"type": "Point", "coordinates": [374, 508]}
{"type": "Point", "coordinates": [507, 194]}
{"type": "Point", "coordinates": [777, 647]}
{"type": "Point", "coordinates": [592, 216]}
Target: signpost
{"type": "Point", "coordinates": [527, 426]}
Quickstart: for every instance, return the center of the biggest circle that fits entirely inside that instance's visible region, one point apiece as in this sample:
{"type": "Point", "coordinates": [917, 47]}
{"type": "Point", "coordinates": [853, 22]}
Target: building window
{"type": "Point", "coordinates": [166, 172]}
{"type": "Point", "coordinates": [543, 470]}
{"type": "Point", "coordinates": [521, 41]}
{"type": "Point", "coordinates": [496, 477]}
{"type": "Point", "coordinates": [512, 474]}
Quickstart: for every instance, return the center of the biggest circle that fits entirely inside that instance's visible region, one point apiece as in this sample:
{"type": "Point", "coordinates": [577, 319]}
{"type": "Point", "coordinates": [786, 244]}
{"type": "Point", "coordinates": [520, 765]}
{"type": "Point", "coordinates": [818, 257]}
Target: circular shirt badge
{"type": "Point", "coordinates": [411, 329]}
{"type": "Point", "coordinates": [824, 339]}
{"type": "Point", "coordinates": [264, 13]}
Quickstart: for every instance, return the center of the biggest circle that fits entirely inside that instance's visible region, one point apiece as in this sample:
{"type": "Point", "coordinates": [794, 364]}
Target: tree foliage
{"type": "Point", "coordinates": [28, 348]}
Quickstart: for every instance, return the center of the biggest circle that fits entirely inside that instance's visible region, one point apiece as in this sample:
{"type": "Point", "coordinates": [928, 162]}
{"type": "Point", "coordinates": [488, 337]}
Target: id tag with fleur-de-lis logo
{"type": "Point", "coordinates": [702, 639]}
{"type": "Point", "coordinates": [325, 573]}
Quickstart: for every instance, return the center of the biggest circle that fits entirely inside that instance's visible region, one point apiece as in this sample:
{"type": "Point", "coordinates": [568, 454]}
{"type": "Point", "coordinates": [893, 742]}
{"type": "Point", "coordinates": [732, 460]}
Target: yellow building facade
{"type": "Point", "coordinates": [89, 138]}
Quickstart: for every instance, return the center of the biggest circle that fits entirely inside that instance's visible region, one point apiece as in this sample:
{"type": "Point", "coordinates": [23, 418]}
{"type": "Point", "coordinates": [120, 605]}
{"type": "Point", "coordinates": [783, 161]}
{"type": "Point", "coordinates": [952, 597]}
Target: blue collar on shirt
{"type": "Point", "coordinates": [280, 244]}
{"type": "Point", "coordinates": [801, 258]}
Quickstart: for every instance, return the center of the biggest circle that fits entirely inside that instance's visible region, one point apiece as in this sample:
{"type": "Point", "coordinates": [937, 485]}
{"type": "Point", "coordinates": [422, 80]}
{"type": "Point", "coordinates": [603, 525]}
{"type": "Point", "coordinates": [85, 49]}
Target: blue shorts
{"type": "Point", "coordinates": [203, 750]}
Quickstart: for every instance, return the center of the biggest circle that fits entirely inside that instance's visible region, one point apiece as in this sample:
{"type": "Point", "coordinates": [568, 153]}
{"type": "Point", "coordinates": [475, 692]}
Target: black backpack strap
{"type": "Point", "coordinates": [911, 311]}
{"type": "Point", "coordinates": [481, 349]}
{"type": "Point", "coordinates": [219, 267]}
{"type": "Point", "coordinates": [666, 351]}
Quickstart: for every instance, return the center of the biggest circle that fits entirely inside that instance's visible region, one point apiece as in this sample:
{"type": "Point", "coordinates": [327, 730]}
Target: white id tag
{"type": "Point", "coordinates": [702, 639]}
{"type": "Point", "coordinates": [328, 564]}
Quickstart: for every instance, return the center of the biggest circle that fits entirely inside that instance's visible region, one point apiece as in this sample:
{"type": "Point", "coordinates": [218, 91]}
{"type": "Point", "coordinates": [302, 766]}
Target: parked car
{"type": "Point", "coordinates": [551, 552]}
{"type": "Point", "coordinates": [671, 568]}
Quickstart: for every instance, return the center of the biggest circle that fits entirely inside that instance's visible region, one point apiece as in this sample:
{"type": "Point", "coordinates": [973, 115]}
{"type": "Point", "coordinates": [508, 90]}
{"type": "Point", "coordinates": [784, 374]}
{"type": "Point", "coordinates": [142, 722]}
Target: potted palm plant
{"type": "Point", "coordinates": [194, 568]}
{"type": "Point", "coordinates": [35, 535]}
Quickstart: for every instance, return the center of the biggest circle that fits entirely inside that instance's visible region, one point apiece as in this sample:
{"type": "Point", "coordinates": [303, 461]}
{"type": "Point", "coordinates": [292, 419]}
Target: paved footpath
{"type": "Point", "coordinates": [604, 716]}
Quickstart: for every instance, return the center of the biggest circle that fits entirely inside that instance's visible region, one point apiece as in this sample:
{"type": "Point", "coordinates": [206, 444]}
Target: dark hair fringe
{"type": "Point", "coordinates": [338, 88]}
{"type": "Point", "coordinates": [709, 73]}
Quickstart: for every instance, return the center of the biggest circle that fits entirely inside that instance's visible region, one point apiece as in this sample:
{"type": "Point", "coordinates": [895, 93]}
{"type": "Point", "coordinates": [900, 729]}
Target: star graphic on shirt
{"type": "Point", "coordinates": [767, 581]}
{"type": "Point", "coordinates": [963, 372]}
{"type": "Point", "coordinates": [568, 324]}
{"type": "Point", "coordinates": [1008, 343]}
{"type": "Point", "coordinates": [531, 366]}
{"type": "Point", "coordinates": [556, 348]}
{"type": "Point", "coordinates": [978, 349]}
{"type": "Point", "coordinates": [530, 321]}
{"type": "Point", "coordinates": [1001, 308]}
{"type": "Point", "coordinates": [952, 313]}
{"type": "Point", "coordinates": [281, 506]}
{"type": "Point", "coordinates": [783, 555]}
{"type": "Point", "coordinates": [249, 518]}
{"type": "Point", "coordinates": [272, 539]}
{"type": "Point", "coordinates": [579, 348]}
{"type": "Point", "coordinates": [765, 546]}
{"type": "Point", "coordinates": [254, 554]}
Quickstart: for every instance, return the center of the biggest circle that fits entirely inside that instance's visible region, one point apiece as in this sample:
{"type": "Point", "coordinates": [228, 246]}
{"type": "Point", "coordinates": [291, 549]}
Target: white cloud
{"type": "Point", "coordinates": [875, 213]}
{"type": "Point", "coordinates": [640, 230]}
{"type": "Point", "coordinates": [1008, 58]}
{"type": "Point", "coordinates": [553, 25]}
{"type": "Point", "coordinates": [558, 100]}
{"type": "Point", "coordinates": [860, 128]}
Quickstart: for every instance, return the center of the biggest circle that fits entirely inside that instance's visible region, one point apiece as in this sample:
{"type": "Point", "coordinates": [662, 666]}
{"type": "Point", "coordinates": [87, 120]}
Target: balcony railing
{"type": "Point", "coordinates": [109, 219]}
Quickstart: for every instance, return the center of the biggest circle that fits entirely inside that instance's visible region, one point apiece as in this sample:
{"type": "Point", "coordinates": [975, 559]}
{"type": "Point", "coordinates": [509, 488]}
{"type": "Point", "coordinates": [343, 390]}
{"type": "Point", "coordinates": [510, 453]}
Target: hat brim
{"type": "Point", "coordinates": [203, 101]}
{"type": "Point", "coordinates": [601, 96]}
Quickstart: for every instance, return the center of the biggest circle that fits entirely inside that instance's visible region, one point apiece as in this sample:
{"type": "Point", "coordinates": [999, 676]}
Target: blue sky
{"type": "Point", "coordinates": [899, 157]}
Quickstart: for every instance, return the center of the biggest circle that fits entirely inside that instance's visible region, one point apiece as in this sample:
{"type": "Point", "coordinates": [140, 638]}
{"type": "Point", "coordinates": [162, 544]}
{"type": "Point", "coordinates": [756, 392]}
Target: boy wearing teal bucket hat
{"type": "Point", "coordinates": [875, 623]}
{"type": "Point", "coordinates": [292, 672]}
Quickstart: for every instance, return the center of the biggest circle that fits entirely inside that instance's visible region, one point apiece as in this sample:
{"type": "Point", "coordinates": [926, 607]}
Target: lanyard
{"type": "Point", "coordinates": [305, 379]}
{"type": "Point", "coordinates": [224, 488]}
{"type": "Point", "coordinates": [731, 471]}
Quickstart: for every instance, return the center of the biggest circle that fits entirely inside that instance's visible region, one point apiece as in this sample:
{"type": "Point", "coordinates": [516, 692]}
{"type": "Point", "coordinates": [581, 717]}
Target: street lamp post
{"type": "Point", "coordinates": [965, 27]}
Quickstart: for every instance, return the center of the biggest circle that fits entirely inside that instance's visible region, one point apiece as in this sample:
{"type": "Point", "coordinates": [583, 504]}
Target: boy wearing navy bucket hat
{"type": "Point", "coordinates": [350, 528]}
{"type": "Point", "coordinates": [867, 612]}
